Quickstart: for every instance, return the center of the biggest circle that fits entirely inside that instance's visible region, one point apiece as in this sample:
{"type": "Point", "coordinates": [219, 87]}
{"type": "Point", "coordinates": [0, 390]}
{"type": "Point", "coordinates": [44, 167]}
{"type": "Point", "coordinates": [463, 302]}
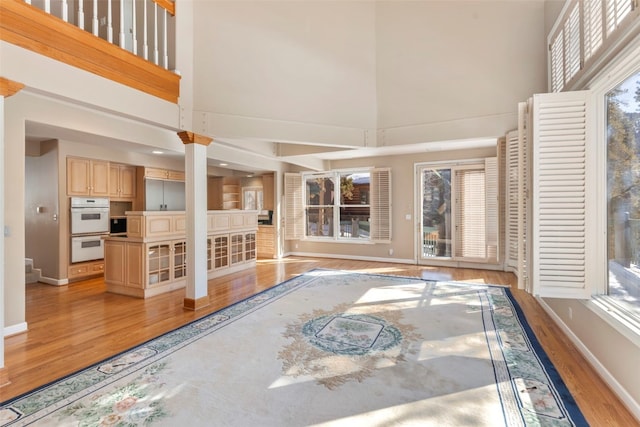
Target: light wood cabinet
{"type": "Point", "coordinates": [83, 270]}
{"type": "Point", "coordinates": [87, 177]}
{"type": "Point", "coordinates": [268, 192]}
{"type": "Point", "coordinates": [152, 259]}
{"type": "Point", "coordinates": [265, 241]}
{"type": "Point", "coordinates": [122, 182]}
{"type": "Point", "coordinates": [157, 173]}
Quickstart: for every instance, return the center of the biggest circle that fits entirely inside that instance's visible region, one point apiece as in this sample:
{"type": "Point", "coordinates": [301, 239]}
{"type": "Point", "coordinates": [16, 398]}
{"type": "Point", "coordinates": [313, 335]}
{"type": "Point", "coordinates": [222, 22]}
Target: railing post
{"type": "Point", "coordinates": [47, 6]}
{"type": "Point", "coordinates": [165, 48]}
{"type": "Point", "coordinates": [121, 35]}
{"type": "Point", "coordinates": [134, 37]}
{"type": "Point", "coordinates": [65, 11]}
{"type": "Point", "coordinates": [95, 25]}
{"type": "Point", "coordinates": [145, 39]}
{"type": "Point", "coordinates": [155, 33]}
{"type": "Point", "coordinates": [109, 22]}
{"type": "Point", "coordinates": [81, 15]}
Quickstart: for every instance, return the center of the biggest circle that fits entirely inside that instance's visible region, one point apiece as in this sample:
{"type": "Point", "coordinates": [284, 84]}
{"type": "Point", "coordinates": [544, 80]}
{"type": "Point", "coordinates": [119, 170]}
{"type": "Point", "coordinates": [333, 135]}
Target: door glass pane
{"type": "Point", "coordinates": [354, 205]}
{"type": "Point", "coordinates": [436, 213]}
{"type": "Point", "coordinates": [319, 209]}
{"type": "Point", "coordinates": [623, 193]}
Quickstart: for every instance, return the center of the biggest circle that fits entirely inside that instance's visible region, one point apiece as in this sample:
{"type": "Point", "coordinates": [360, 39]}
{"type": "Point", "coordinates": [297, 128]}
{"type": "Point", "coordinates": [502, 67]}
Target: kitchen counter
{"type": "Point", "coordinates": [151, 259]}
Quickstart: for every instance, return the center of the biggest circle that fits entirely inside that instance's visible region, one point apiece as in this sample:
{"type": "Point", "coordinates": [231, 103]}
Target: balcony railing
{"type": "Point", "coordinates": [134, 44]}
{"type": "Point", "coordinates": [143, 27]}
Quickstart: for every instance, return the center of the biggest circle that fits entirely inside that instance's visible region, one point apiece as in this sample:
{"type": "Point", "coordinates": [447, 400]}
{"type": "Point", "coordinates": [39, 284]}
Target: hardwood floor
{"type": "Point", "coordinates": [75, 326]}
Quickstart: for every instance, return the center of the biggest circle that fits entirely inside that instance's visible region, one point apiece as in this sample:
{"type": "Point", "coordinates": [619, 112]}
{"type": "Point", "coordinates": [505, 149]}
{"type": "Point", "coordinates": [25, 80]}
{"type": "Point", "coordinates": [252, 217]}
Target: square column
{"type": "Point", "coordinates": [196, 295]}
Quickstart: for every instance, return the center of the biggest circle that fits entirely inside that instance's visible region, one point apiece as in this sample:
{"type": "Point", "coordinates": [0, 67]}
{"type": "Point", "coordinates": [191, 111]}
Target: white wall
{"type": "Point", "coordinates": [310, 62]}
{"type": "Point", "coordinates": [419, 71]}
{"type": "Point", "coordinates": [456, 69]}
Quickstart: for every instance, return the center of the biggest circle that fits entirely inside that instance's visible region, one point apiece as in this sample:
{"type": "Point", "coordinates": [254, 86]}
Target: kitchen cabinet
{"type": "Point", "coordinates": [265, 241]}
{"type": "Point", "coordinates": [268, 192]}
{"type": "Point", "coordinates": [83, 270]}
{"type": "Point", "coordinates": [122, 182]}
{"type": "Point", "coordinates": [87, 177]}
{"type": "Point", "coordinates": [152, 259]}
{"type": "Point", "coordinates": [157, 173]}
{"type": "Point", "coordinates": [164, 195]}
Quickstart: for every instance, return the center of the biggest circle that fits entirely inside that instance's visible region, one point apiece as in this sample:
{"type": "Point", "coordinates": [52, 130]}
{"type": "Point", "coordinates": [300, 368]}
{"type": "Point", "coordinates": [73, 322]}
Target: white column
{"type": "Point", "coordinates": [196, 295]}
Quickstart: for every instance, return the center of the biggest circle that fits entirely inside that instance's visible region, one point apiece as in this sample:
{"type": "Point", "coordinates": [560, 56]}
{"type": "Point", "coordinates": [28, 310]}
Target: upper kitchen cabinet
{"type": "Point", "coordinates": [157, 173]}
{"type": "Point", "coordinates": [122, 182]}
{"type": "Point", "coordinates": [87, 177]}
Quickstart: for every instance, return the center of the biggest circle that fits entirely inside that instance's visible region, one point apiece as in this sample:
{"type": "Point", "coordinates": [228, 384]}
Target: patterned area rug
{"type": "Point", "coordinates": [325, 348]}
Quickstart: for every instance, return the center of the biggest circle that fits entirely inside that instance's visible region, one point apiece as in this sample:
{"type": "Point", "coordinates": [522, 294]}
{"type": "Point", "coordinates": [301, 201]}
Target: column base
{"type": "Point", "coordinates": [196, 304]}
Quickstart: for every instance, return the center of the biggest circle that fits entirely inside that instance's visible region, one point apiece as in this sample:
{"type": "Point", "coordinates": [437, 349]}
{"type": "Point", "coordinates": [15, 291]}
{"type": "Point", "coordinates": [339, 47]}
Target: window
{"type": "Point", "coordinates": [623, 193]}
{"type": "Point", "coordinates": [339, 205]}
{"type": "Point", "coordinates": [581, 33]}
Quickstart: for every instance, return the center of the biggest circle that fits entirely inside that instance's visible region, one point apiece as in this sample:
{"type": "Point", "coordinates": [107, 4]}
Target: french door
{"type": "Point", "coordinates": [458, 211]}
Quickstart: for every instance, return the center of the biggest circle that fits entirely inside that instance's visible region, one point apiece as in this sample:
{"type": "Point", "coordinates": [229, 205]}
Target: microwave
{"type": "Point", "coordinates": [117, 225]}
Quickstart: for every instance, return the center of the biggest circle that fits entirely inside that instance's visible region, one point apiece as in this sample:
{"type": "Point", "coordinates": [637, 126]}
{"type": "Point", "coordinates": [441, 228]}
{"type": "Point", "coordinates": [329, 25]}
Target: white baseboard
{"type": "Point", "coordinates": [52, 281]}
{"type": "Point", "coordinates": [352, 257]}
{"type": "Point", "coordinates": [15, 329]}
{"type": "Point", "coordinates": [621, 392]}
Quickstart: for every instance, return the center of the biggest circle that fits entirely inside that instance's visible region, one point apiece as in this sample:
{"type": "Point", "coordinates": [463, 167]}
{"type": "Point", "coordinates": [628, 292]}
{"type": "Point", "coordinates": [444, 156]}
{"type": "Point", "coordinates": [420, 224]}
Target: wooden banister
{"type": "Point", "coordinates": [168, 5]}
{"type": "Point", "coordinates": [31, 28]}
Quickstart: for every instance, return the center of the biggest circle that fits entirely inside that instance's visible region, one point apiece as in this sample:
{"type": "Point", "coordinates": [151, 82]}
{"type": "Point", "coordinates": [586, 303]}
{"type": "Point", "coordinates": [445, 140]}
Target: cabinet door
{"type": "Point", "coordinates": [236, 249]}
{"type": "Point", "coordinates": [78, 176]}
{"type": "Point", "coordinates": [158, 263]}
{"type": "Point", "coordinates": [268, 192]}
{"type": "Point", "coordinates": [249, 246]}
{"type": "Point", "coordinates": [220, 251]}
{"type": "Point", "coordinates": [179, 250]}
{"type": "Point", "coordinates": [127, 182]}
{"type": "Point", "coordinates": [99, 178]}
{"type": "Point", "coordinates": [114, 181]}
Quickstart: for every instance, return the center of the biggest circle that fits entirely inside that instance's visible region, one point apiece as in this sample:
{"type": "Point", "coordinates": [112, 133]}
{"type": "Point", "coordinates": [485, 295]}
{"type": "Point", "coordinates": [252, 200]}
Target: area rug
{"type": "Point", "coordinates": [325, 348]}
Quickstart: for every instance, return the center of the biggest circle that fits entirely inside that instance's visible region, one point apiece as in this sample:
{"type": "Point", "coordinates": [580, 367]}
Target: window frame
{"type": "Point", "coordinates": [627, 63]}
{"type": "Point", "coordinates": [380, 196]}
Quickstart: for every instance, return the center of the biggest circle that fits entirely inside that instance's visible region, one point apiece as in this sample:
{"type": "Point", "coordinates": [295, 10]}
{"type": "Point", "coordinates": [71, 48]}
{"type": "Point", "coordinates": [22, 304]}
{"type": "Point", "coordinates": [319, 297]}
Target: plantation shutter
{"type": "Point", "coordinates": [502, 199]}
{"type": "Point", "coordinates": [294, 207]}
{"type": "Point", "coordinates": [593, 28]}
{"type": "Point", "coordinates": [491, 206]}
{"type": "Point", "coordinates": [470, 214]}
{"type": "Point", "coordinates": [560, 241]}
{"type": "Point", "coordinates": [511, 212]}
{"type": "Point", "coordinates": [380, 188]}
{"type": "Point", "coordinates": [616, 11]}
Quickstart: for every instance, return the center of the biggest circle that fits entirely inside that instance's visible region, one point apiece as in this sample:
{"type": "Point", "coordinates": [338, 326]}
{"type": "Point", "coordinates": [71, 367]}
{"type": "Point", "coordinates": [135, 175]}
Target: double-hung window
{"type": "Point", "coordinates": [340, 205]}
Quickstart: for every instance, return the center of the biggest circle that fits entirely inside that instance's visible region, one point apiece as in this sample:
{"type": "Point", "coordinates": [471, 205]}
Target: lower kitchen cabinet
{"type": "Point", "coordinates": [83, 270]}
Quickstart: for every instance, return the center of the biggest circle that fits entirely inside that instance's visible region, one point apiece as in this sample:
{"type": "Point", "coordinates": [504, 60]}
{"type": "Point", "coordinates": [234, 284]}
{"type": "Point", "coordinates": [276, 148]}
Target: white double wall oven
{"type": "Point", "coordinates": [89, 224]}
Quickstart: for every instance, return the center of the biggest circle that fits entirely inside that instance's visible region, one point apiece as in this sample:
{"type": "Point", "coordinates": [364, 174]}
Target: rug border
{"type": "Point", "coordinates": [569, 401]}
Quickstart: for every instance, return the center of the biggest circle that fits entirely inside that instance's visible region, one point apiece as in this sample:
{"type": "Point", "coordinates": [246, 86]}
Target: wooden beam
{"type": "Point", "coordinates": [9, 87]}
{"type": "Point", "coordinates": [31, 28]}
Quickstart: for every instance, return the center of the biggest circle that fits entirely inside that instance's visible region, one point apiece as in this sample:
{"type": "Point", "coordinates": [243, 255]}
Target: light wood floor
{"type": "Point", "coordinates": [74, 326]}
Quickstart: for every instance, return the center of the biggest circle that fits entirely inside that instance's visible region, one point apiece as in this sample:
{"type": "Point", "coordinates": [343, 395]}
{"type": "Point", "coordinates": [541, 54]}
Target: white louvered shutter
{"type": "Point", "coordinates": [502, 199]}
{"type": "Point", "coordinates": [294, 207]}
{"type": "Point", "coordinates": [491, 206]}
{"type": "Point", "coordinates": [560, 239]}
{"type": "Point", "coordinates": [512, 220]}
{"type": "Point", "coordinates": [615, 12]}
{"type": "Point", "coordinates": [572, 54]}
{"type": "Point", "coordinates": [557, 62]}
{"type": "Point", "coordinates": [592, 27]}
{"type": "Point", "coordinates": [470, 214]}
{"type": "Point", "coordinates": [380, 188]}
